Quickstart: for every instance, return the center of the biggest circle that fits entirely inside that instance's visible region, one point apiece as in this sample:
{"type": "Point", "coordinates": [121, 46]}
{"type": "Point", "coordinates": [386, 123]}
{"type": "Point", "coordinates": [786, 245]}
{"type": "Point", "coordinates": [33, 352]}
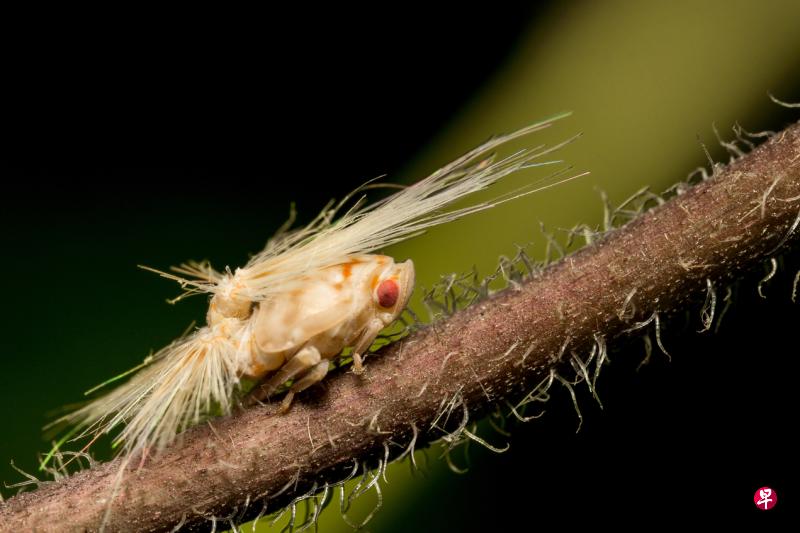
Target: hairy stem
{"type": "Point", "coordinates": [495, 350]}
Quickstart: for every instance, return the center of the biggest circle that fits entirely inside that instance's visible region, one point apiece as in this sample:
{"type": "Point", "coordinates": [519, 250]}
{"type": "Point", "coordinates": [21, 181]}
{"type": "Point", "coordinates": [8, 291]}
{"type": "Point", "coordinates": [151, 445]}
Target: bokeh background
{"type": "Point", "coordinates": [189, 137]}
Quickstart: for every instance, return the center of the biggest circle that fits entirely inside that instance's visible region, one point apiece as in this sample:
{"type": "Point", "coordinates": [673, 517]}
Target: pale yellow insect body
{"type": "Point", "coordinates": [296, 334]}
{"type": "Point", "coordinates": [311, 293]}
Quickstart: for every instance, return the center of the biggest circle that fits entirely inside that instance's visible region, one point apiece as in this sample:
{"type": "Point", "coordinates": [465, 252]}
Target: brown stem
{"type": "Point", "coordinates": [711, 233]}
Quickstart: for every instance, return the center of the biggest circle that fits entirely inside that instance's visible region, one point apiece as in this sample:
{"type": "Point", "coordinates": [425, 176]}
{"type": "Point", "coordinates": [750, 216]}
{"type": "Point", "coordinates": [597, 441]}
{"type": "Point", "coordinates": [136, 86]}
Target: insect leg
{"type": "Point", "coordinates": [306, 358]}
{"type": "Point", "coordinates": [364, 342]}
{"type": "Point", "coordinates": [314, 375]}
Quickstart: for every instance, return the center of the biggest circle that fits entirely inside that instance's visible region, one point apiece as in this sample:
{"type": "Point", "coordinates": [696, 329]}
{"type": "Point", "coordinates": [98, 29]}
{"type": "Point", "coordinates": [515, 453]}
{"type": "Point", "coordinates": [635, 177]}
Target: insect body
{"type": "Point", "coordinates": [297, 304]}
{"type": "Point", "coordinates": [345, 305]}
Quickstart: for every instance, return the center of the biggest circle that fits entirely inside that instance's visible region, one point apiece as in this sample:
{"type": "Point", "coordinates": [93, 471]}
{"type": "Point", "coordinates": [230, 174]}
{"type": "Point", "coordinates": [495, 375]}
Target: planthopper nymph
{"type": "Point", "coordinates": [283, 317]}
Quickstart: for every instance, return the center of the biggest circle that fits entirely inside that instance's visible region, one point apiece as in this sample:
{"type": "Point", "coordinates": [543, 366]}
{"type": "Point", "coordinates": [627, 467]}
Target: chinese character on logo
{"type": "Point", "coordinates": [765, 498]}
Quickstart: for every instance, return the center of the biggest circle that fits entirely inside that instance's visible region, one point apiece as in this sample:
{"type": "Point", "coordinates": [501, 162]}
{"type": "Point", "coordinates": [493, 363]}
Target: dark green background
{"type": "Point", "coordinates": [190, 139]}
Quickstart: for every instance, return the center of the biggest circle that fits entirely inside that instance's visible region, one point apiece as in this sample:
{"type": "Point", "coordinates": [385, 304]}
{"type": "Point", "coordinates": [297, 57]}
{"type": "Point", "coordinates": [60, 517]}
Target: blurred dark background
{"type": "Point", "coordinates": [156, 138]}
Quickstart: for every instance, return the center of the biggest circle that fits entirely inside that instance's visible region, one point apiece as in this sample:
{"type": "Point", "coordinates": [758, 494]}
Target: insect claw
{"type": "Point", "coordinates": [286, 403]}
{"type": "Point", "coordinates": [358, 364]}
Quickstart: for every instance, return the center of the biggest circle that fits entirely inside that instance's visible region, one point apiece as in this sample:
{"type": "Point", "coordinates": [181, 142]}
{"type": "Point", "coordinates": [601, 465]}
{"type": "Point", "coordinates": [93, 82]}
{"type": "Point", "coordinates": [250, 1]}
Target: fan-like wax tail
{"type": "Point", "coordinates": [338, 232]}
{"type": "Point", "coordinates": [331, 237]}
{"type": "Point", "coordinates": [186, 381]}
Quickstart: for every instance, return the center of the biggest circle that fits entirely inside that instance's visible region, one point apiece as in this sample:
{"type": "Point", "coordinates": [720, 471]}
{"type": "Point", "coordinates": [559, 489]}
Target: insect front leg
{"type": "Point", "coordinates": [307, 357]}
{"type": "Point", "coordinates": [364, 342]}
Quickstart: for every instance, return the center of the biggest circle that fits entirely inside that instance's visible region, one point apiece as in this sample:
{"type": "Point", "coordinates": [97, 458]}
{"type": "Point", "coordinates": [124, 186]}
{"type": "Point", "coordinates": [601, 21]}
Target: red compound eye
{"type": "Point", "coordinates": [388, 291]}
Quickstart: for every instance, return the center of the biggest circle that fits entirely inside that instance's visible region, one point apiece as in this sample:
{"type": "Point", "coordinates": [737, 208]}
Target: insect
{"type": "Point", "coordinates": [295, 306]}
